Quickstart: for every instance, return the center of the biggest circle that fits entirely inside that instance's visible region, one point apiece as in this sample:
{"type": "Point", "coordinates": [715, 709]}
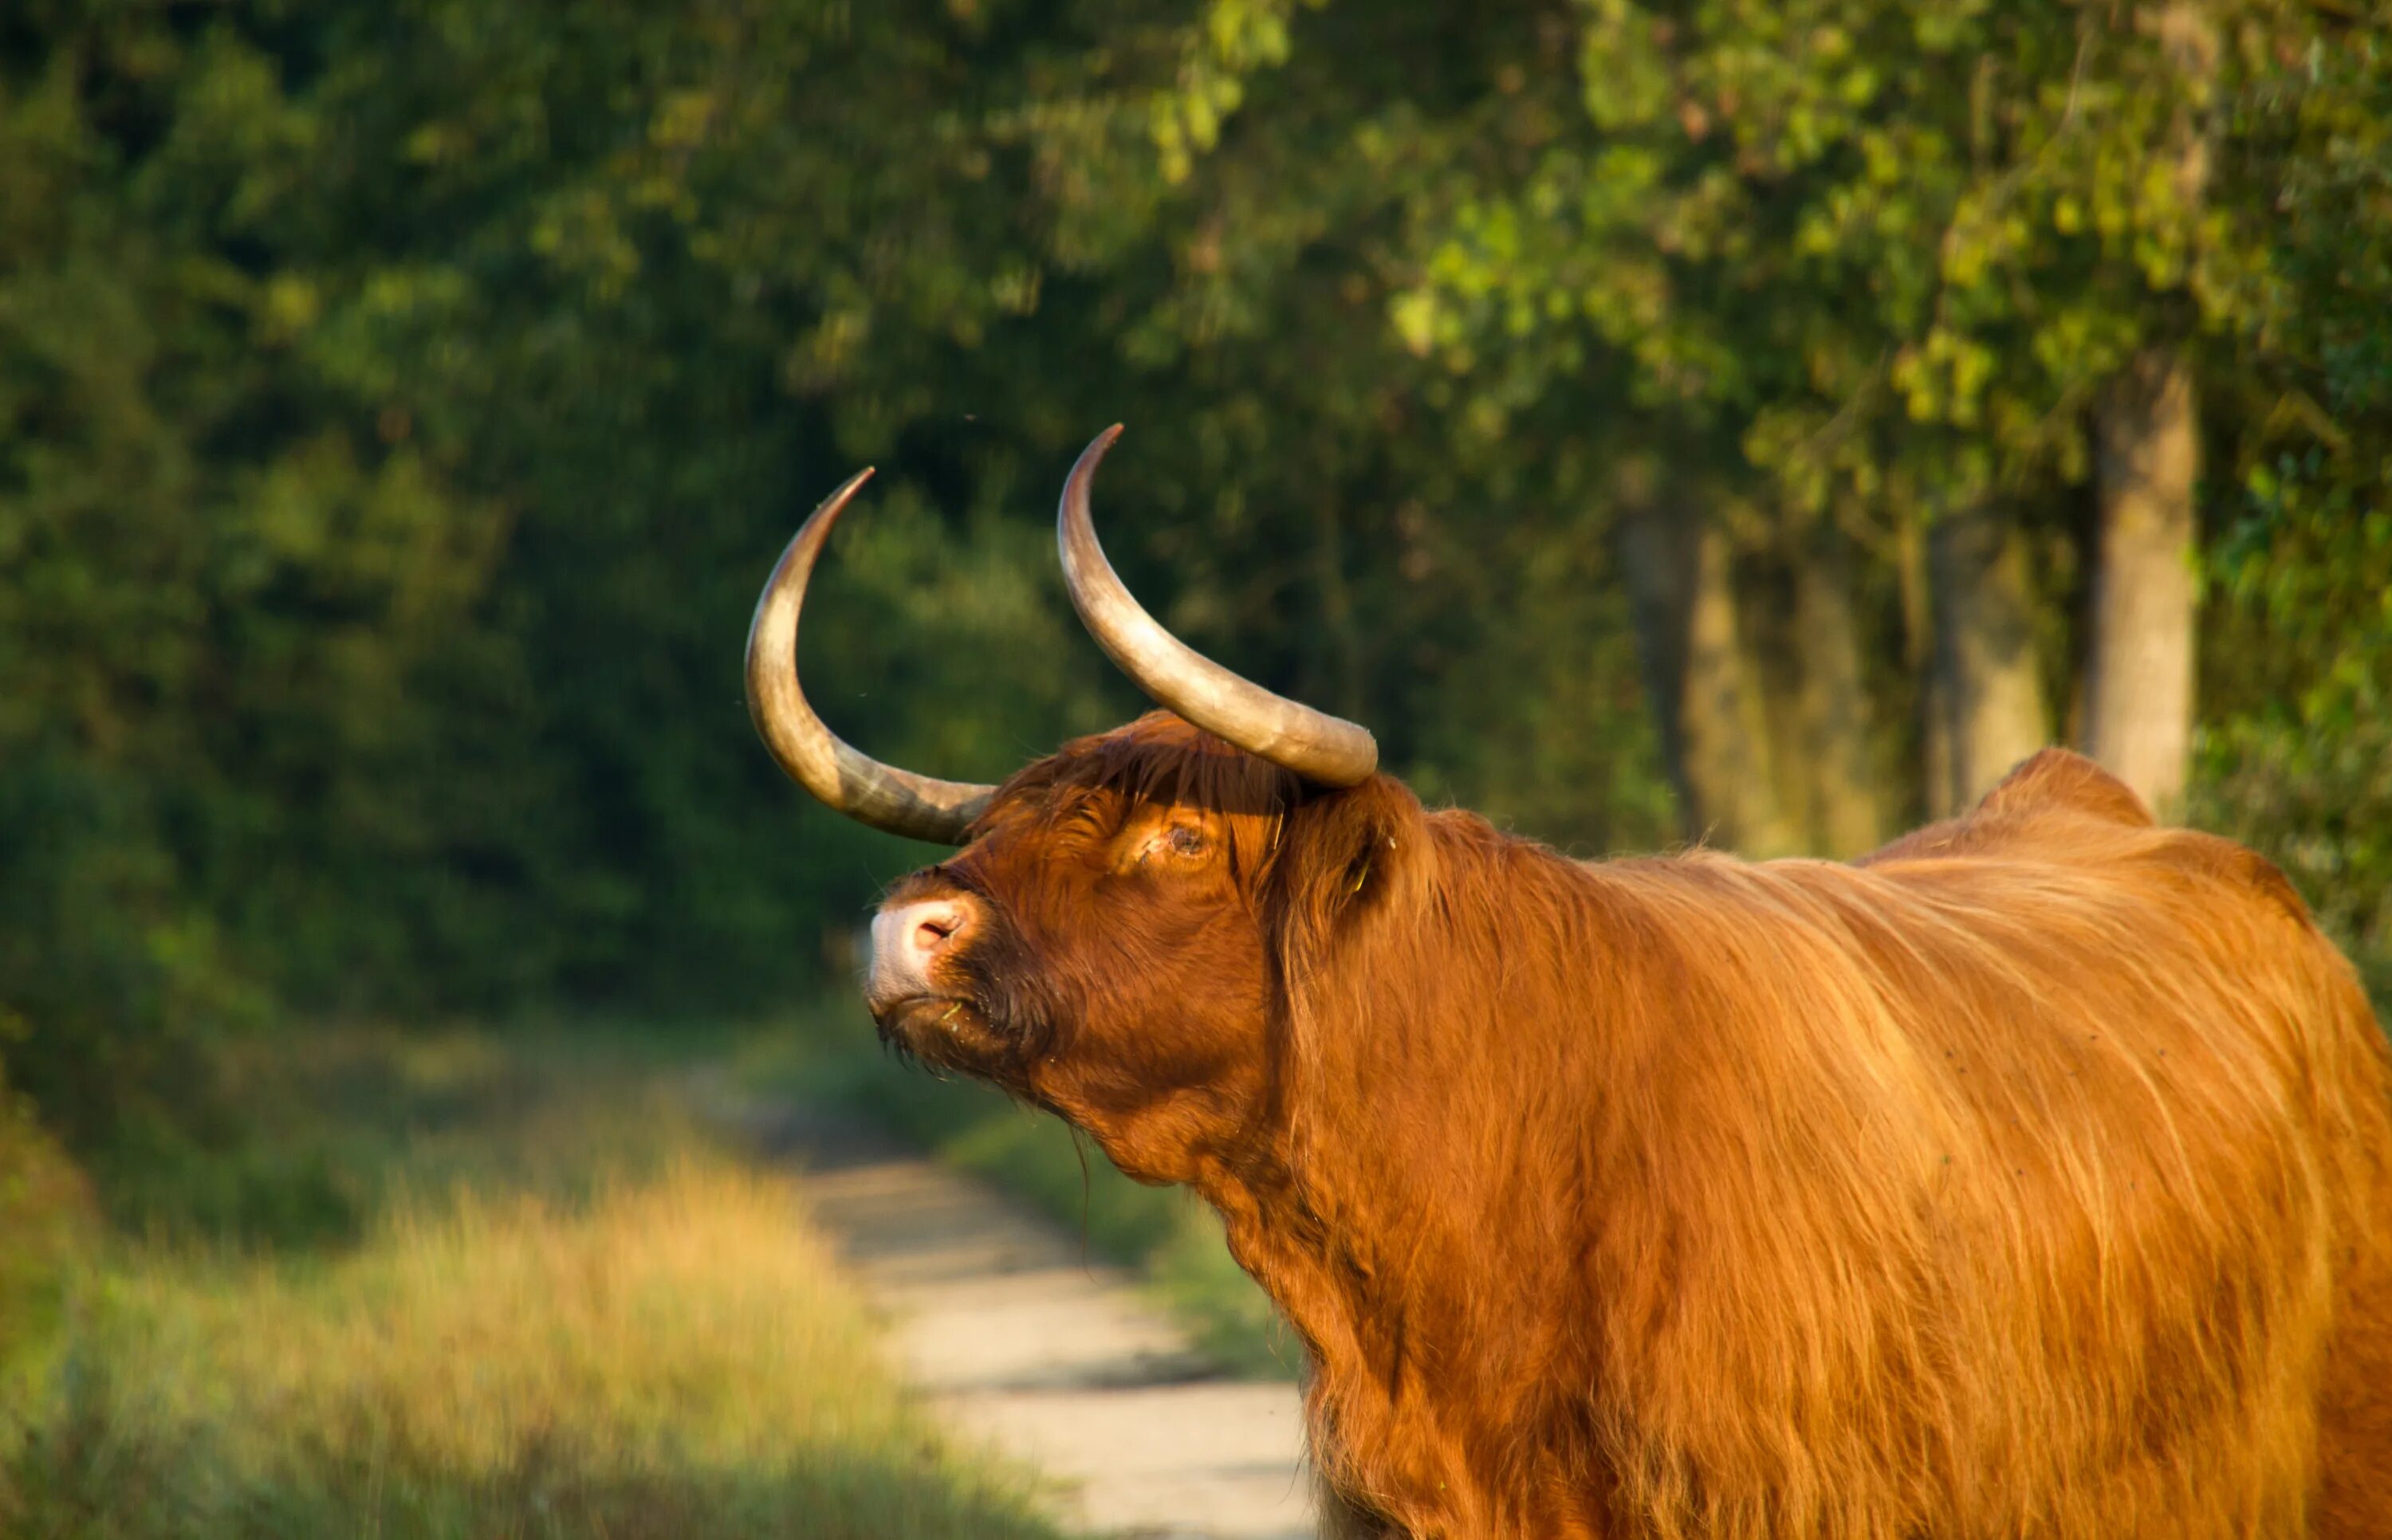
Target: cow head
{"type": "Point", "coordinates": [1114, 937]}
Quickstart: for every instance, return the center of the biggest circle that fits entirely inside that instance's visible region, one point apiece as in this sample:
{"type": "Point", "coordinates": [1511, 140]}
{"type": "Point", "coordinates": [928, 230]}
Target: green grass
{"type": "Point", "coordinates": [457, 1286]}
{"type": "Point", "coordinates": [1168, 1236]}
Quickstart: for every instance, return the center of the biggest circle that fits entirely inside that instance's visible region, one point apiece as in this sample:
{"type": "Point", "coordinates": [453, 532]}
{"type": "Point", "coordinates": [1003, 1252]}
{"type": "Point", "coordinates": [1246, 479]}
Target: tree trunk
{"type": "Point", "coordinates": [1838, 773]}
{"type": "Point", "coordinates": [1726, 730]}
{"type": "Point", "coordinates": [2139, 674]}
{"type": "Point", "coordinates": [1705, 698]}
{"type": "Point", "coordinates": [1921, 655]}
{"type": "Point", "coordinates": [2139, 669]}
{"type": "Point", "coordinates": [1986, 690]}
{"type": "Point", "coordinates": [1657, 559]}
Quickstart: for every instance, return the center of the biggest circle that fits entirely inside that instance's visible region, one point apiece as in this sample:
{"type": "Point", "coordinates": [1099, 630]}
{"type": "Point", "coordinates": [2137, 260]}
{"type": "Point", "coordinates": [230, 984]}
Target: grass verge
{"type": "Point", "coordinates": [560, 1310]}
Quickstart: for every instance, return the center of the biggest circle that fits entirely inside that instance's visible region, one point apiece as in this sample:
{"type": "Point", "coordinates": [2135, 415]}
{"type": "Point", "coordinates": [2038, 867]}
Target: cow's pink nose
{"type": "Point", "coordinates": [927, 926]}
{"type": "Point", "coordinates": [905, 939]}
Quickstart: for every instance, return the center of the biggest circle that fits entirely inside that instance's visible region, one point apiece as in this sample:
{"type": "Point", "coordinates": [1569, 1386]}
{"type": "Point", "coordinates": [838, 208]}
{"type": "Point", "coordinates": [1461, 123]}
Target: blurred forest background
{"type": "Point", "coordinates": [1750, 420]}
{"type": "Point", "coordinates": [1761, 421]}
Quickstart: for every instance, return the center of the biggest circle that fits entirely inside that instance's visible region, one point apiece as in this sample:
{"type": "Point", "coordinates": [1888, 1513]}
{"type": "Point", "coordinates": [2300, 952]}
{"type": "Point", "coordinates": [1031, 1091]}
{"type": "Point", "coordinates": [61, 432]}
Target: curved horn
{"type": "Point", "coordinates": [1313, 744]}
{"type": "Point", "coordinates": [854, 784]}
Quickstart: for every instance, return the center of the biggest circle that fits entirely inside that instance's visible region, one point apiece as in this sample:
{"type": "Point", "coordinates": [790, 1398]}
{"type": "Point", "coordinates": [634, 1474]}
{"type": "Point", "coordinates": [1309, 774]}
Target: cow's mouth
{"type": "Point", "coordinates": [937, 1029]}
{"type": "Point", "coordinates": [906, 1013]}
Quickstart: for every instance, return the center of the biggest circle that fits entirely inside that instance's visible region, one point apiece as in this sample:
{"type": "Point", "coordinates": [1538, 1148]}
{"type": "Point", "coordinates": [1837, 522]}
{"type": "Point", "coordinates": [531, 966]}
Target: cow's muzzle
{"type": "Point", "coordinates": [911, 941]}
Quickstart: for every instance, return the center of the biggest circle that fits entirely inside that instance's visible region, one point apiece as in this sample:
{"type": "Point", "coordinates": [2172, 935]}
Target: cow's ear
{"type": "Point", "coordinates": [1341, 854]}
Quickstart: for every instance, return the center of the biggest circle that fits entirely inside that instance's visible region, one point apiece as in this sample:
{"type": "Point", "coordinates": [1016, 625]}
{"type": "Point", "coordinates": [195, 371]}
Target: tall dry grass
{"type": "Point", "coordinates": [664, 1350]}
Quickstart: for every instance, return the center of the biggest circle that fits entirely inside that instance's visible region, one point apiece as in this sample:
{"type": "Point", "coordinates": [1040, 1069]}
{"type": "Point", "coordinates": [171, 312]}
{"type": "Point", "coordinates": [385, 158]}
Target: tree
{"type": "Point", "coordinates": [1985, 694]}
{"type": "Point", "coordinates": [2139, 664]}
{"type": "Point", "coordinates": [2138, 680]}
{"type": "Point", "coordinates": [1656, 423]}
{"type": "Point", "coordinates": [1923, 264]}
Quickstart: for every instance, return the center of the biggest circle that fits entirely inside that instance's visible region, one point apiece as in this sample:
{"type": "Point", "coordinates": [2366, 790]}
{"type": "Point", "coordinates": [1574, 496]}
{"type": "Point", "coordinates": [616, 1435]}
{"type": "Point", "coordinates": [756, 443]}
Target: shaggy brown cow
{"type": "Point", "coordinates": [2032, 1176]}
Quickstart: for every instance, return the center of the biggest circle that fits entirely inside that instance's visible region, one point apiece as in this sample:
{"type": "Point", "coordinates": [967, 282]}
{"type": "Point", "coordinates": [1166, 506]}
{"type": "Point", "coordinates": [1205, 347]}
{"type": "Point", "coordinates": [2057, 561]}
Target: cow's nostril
{"type": "Point", "coordinates": [911, 941]}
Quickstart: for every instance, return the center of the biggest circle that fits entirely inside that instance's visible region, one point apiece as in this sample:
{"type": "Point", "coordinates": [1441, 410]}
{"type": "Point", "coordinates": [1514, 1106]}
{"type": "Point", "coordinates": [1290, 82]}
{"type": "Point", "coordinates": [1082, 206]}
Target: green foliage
{"type": "Point", "coordinates": [2303, 592]}
{"type": "Point", "coordinates": [48, 1214]}
{"type": "Point", "coordinates": [1880, 261]}
{"type": "Point", "coordinates": [1540, 723]}
{"type": "Point", "coordinates": [1860, 241]}
{"type": "Point", "coordinates": [399, 404]}
{"type": "Point", "coordinates": [380, 548]}
{"type": "Point", "coordinates": [230, 602]}
{"type": "Point", "coordinates": [2296, 754]}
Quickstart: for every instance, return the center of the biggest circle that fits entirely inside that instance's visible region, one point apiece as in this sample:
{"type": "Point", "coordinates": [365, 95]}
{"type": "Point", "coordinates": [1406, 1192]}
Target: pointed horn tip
{"type": "Point", "coordinates": [849, 488]}
{"type": "Point", "coordinates": [826, 512]}
{"type": "Point", "coordinates": [1073, 510]}
{"type": "Point", "coordinates": [807, 543]}
{"type": "Point", "coordinates": [1174, 674]}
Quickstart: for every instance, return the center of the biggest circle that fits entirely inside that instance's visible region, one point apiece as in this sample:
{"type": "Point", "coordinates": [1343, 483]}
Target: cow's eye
{"type": "Point", "coordinates": [1185, 841]}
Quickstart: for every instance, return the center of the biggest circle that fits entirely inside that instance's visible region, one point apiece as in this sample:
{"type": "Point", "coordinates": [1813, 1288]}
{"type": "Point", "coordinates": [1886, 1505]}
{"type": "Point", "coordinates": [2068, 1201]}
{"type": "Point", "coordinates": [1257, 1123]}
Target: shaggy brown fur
{"type": "Point", "coordinates": [2030, 1177]}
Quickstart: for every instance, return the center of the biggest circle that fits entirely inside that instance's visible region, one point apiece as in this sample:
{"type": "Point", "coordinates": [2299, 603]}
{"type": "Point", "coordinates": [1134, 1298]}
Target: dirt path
{"type": "Point", "coordinates": [1053, 1359]}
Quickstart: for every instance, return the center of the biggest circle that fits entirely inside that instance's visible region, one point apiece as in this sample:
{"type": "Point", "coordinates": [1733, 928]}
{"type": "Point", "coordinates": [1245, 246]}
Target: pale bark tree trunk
{"type": "Point", "coordinates": [2138, 675]}
{"type": "Point", "coordinates": [1986, 688]}
{"type": "Point", "coordinates": [1704, 694]}
{"type": "Point", "coordinates": [1727, 728]}
{"type": "Point", "coordinates": [2138, 671]}
{"type": "Point", "coordinates": [1838, 772]}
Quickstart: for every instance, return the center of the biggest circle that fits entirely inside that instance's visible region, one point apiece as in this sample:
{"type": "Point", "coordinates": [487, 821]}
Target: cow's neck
{"type": "Point", "coordinates": [1427, 1131]}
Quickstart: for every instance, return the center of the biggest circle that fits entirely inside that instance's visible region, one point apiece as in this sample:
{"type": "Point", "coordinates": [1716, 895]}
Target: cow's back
{"type": "Point", "coordinates": [2048, 1146]}
{"type": "Point", "coordinates": [2194, 945]}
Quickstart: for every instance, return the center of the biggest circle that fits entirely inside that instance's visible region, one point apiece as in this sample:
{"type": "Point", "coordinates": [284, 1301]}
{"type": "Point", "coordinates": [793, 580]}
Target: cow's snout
{"type": "Point", "coordinates": [907, 939]}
